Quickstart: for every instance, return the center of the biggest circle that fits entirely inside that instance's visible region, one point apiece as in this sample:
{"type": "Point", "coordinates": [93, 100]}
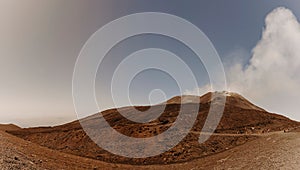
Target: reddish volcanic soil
{"type": "Point", "coordinates": [9, 127]}
{"type": "Point", "coordinates": [242, 124]}
{"type": "Point", "coordinates": [269, 151]}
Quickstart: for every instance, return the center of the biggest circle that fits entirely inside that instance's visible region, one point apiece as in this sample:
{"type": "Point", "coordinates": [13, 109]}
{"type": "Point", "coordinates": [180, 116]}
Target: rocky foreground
{"type": "Point", "coordinates": [277, 150]}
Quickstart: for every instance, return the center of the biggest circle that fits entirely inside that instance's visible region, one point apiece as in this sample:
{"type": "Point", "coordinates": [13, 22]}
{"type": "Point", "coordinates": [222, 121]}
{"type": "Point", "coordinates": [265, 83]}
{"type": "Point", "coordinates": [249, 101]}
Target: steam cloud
{"type": "Point", "coordinates": [271, 78]}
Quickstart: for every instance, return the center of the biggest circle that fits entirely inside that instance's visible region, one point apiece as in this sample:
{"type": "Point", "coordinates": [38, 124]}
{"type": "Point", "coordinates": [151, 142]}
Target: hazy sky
{"type": "Point", "coordinates": [41, 39]}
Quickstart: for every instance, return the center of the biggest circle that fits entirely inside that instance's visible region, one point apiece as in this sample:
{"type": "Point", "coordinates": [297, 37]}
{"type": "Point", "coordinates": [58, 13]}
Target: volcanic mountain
{"type": "Point", "coordinates": [242, 121]}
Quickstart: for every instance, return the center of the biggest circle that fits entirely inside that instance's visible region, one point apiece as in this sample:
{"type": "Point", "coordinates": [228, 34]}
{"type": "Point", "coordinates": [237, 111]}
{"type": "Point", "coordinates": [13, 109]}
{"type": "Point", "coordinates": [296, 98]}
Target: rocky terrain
{"type": "Point", "coordinates": [276, 150]}
{"type": "Point", "coordinates": [240, 117]}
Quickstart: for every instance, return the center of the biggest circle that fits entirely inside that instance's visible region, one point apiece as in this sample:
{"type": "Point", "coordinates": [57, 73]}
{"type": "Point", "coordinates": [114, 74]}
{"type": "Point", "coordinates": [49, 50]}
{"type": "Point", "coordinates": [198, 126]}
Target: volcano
{"type": "Point", "coordinates": [242, 121]}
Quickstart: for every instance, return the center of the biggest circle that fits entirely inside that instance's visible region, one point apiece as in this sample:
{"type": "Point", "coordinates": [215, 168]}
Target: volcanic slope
{"type": "Point", "coordinates": [241, 122]}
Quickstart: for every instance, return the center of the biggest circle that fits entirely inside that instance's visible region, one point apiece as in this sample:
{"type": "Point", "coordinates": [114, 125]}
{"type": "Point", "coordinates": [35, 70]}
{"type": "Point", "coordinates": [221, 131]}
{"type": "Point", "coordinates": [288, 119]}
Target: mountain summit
{"type": "Point", "coordinates": [241, 121]}
{"type": "Point", "coordinates": [232, 99]}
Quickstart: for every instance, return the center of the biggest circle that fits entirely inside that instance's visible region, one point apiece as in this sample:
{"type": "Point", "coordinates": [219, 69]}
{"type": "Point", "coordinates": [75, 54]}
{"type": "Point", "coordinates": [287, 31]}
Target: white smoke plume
{"type": "Point", "coordinates": [271, 79]}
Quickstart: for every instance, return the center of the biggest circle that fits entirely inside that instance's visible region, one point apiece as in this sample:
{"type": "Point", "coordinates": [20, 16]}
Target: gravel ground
{"type": "Point", "coordinates": [274, 151]}
{"type": "Point", "coordinates": [11, 158]}
{"type": "Point", "coordinates": [271, 151]}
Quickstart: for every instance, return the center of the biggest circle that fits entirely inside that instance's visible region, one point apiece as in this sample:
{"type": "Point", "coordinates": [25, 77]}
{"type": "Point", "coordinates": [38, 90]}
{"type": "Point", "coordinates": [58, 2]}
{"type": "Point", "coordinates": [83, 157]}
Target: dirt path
{"type": "Point", "coordinates": [278, 151]}
{"type": "Point", "coordinates": [230, 134]}
{"type": "Point", "coordinates": [271, 151]}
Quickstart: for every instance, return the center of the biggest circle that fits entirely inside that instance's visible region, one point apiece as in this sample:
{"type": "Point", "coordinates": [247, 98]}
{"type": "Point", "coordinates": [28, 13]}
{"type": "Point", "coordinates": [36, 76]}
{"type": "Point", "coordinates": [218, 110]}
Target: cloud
{"type": "Point", "coordinates": [199, 91]}
{"type": "Point", "coordinates": [271, 79]}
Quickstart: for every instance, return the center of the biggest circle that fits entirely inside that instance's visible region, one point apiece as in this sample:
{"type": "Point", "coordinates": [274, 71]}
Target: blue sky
{"type": "Point", "coordinates": [42, 39]}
